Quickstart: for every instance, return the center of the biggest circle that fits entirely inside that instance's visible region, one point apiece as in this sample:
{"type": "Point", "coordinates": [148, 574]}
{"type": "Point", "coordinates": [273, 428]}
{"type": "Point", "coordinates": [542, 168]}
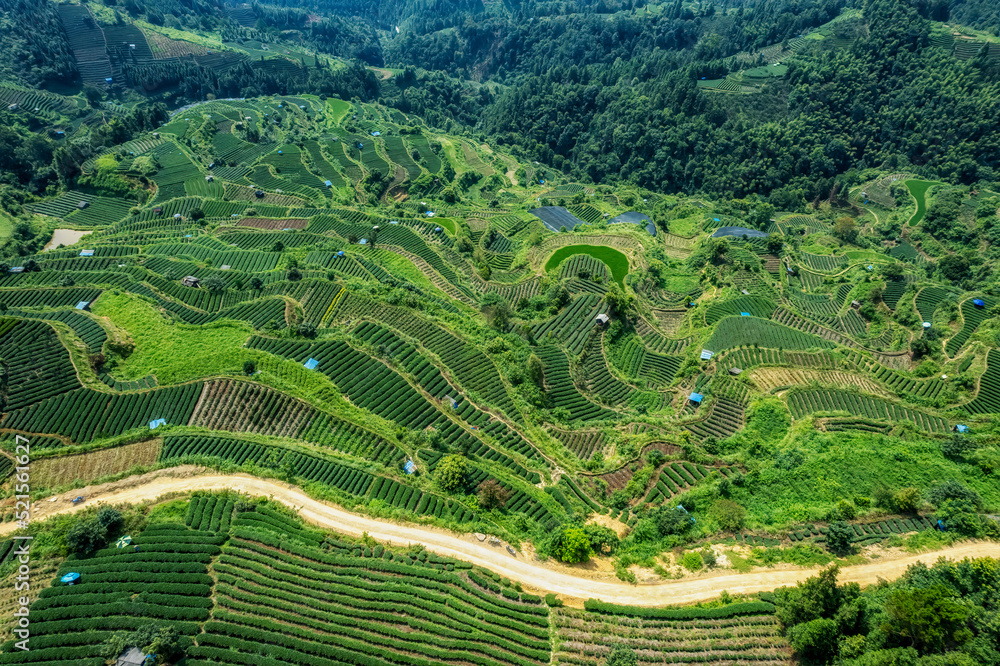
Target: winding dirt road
{"type": "Point", "coordinates": [543, 577]}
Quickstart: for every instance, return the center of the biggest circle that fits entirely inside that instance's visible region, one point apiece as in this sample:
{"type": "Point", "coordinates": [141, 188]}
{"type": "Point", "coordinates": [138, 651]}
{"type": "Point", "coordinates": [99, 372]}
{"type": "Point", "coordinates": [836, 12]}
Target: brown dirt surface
{"type": "Point", "coordinates": [573, 584]}
{"type": "Point", "coordinates": [273, 224]}
{"type": "Point", "coordinates": [62, 470]}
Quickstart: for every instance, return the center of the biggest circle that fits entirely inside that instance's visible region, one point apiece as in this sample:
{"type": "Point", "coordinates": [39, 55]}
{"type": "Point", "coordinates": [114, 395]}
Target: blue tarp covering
{"type": "Point", "coordinates": [633, 217]}
{"type": "Point", "coordinates": [71, 577]}
{"type": "Point", "coordinates": [744, 314]}
{"type": "Point", "coordinates": [739, 231]}
{"type": "Point", "coordinates": [327, 183]}
{"type": "Point", "coordinates": [962, 428]}
{"type": "Point", "coordinates": [695, 397]}
{"type": "Point", "coordinates": [705, 354]}
{"type": "Point", "coordinates": [153, 425]}
{"type": "Point", "coordinates": [410, 467]}
{"type": "Point", "coordinates": [979, 303]}
{"type": "Point", "coordinates": [86, 253]}
{"type": "Point", "coordinates": [82, 305]}
{"type": "Point", "coordinates": [311, 364]}
{"type": "Point", "coordinates": [340, 253]}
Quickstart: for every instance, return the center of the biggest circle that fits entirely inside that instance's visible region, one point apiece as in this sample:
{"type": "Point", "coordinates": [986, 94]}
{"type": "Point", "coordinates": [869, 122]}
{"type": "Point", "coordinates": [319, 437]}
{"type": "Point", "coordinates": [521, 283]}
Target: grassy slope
{"type": "Point", "coordinates": [173, 352]}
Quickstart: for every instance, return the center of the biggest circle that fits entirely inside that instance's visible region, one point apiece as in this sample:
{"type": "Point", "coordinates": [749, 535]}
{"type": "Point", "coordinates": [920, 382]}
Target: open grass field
{"type": "Point", "coordinates": [613, 259]}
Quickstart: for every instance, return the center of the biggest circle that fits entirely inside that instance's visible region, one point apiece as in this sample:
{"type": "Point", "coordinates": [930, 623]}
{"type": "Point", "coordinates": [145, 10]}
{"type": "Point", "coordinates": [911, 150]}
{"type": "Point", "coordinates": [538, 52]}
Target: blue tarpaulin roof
{"type": "Point", "coordinates": [705, 354]}
{"type": "Point", "coordinates": [978, 302]}
{"type": "Point", "coordinates": [311, 364]}
{"type": "Point", "coordinates": [340, 253]}
{"type": "Point", "coordinates": [410, 467]}
{"type": "Point", "coordinates": [695, 397]}
{"type": "Point", "coordinates": [744, 314]}
{"type": "Point", "coordinates": [327, 183]}
{"type": "Point", "coordinates": [82, 305]}
{"type": "Point", "coordinates": [71, 577]}
{"type": "Point", "coordinates": [156, 423]}
{"type": "Point", "coordinates": [962, 428]}
{"type": "Point", "coordinates": [86, 253]}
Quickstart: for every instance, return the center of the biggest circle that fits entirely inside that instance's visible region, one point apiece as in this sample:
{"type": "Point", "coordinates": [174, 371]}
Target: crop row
{"type": "Point", "coordinates": [582, 443]}
{"type": "Point", "coordinates": [755, 306]}
{"type": "Point", "coordinates": [811, 401]}
{"type": "Point", "coordinates": [571, 326]}
{"type": "Point", "coordinates": [751, 331]}
{"type": "Point", "coordinates": [561, 390]}
{"type": "Point", "coordinates": [210, 513]}
{"type": "Point", "coordinates": [988, 399]}
{"type": "Point", "coordinates": [85, 414]}
{"type": "Point", "coordinates": [474, 370]}
{"type": "Point", "coordinates": [37, 365]}
{"type": "Point", "coordinates": [680, 476]}
{"type": "Point", "coordinates": [972, 316]}
{"type": "Point", "coordinates": [608, 388]}
{"type": "Point", "coordinates": [724, 419]}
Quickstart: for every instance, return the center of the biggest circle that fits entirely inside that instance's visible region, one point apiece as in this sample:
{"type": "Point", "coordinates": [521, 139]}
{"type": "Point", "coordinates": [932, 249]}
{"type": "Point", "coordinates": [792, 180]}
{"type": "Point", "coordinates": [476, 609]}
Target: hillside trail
{"type": "Point", "coordinates": [572, 584]}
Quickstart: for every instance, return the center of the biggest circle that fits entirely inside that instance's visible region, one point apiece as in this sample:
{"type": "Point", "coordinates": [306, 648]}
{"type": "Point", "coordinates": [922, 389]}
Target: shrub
{"type": "Point", "coordinates": [838, 538]}
{"type": "Point", "coordinates": [728, 514]}
{"type": "Point", "coordinates": [907, 500]}
{"type": "Point", "coordinates": [815, 641]}
{"type": "Point", "coordinates": [450, 472]}
{"type": "Point", "coordinates": [621, 655]}
{"type": "Point", "coordinates": [492, 495]}
{"type": "Point", "coordinates": [571, 544]}
{"type": "Point", "coordinates": [692, 561]}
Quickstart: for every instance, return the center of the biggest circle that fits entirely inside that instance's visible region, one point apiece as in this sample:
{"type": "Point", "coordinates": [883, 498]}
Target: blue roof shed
{"type": "Point", "coordinates": [311, 364]}
{"type": "Point", "coordinates": [979, 303]}
{"type": "Point", "coordinates": [86, 253]}
{"type": "Point", "coordinates": [156, 423]}
{"type": "Point", "coordinates": [706, 354]}
{"type": "Point", "coordinates": [409, 467]}
{"type": "Point", "coordinates": [744, 314]}
{"type": "Point", "coordinates": [82, 305]}
{"type": "Point", "coordinates": [328, 183]}
{"type": "Point", "coordinates": [696, 397]}
{"type": "Point", "coordinates": [70, 578]}
{"type": "Point", "coordinates": [961, 428]}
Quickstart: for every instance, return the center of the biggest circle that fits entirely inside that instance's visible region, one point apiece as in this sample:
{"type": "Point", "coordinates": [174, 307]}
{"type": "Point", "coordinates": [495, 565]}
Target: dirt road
{"type": "Point", "coordinates": [572, 585]}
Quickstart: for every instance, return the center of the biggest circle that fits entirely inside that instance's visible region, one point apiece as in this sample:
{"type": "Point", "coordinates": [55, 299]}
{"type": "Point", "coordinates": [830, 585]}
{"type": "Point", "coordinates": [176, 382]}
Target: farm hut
{"type": "Point", "coordinates": [259, 194]}
{"type": "Point", "coordinates": [430, 213]}
{"type": "Point", "coordinates": [602, 319]}
{"type": "Point", "coordinates": [82, 305]}
{"type": "Point", "coordinates": [961, 428]}
{"type": "Point", "coordinates": [715, 219]}
{"type": "Point", "coordinates": [363, 241]}
{"type": "Point", "coordinates": [209, 178]}
{"type": "Point", "coordinates": [12, 107]}
{"type": "Point", "coordinates": [157, 210]}
{"type": "Point", "coordinates": [706, 354]}
{"type": "Point", "coordinates": [375, 228]}
{"type": "Point", "coordinates": [744, 314]}
{"type": "Point", "coordinates": [745, 292]}
{"type": "Point", "coordinates": [281, 152]}
{"type": "Point", "coordinates": [108, 80]}
{"type": "Point", "coordinates": [410, 467]}
{"type": "Point", "coordinates": [156, 135]}
{"type": "Point", "coordinates": [86, 253]}
{"type": "Point", "coordinates": [190, 281]}
{"type": "Point", "coordinates": [177, 216]}
{"type": "Point", "coordinates": [734, 371]}
{"type": "Point", "coordinates": [340, 253]}
{"type": "Point", "coordinates": [224, 267]}
{"type": "Point", "coordinates": [437, 230]}
{"type": "Point", "coordinates": [856, 305]}
{"type": "Point", "coordinates": [696, 398]}
{"type": "Point", "coordinates": [376, 133]}
{"type": "Point", "coordinates": [328, 183]}
{"type": "Point", "coordinates": [212, 165]}
{"type": "Point", "coordinates": [70, 578]}
{"type": "Point", "coordinates": [926, 324]}
{"type": "Point", "coordinates": [393, 221]}
{"type": "Point", "coordinates": [60, 133]}
{"type": "Point", "coordinates": [311, 364]}
{"type": "Point", "coordinates": [979, 303]}
{"type": "Point", "coordinates": [131, 657]}
{"type": "Point", "coordinates": [83, 204]}
{"type": "Point", "coordinates": [156, 423]}
{"type": "Point", "coordinates": [17, 269]}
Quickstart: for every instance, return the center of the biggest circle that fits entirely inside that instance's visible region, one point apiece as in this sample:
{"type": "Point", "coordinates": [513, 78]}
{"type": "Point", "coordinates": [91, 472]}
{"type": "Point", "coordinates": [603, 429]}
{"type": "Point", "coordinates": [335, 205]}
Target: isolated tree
{"type": "Point", "coordinates": [278, 246]}
{"type": "Point", "coordinates": [571, 544]}
{"type": "Point", "coordinates": [815, 641]}
{"type": "Point", "coordinates": [846, 229]}
{"type": "Point", "coordinates": [256, 284]}
{"type": "Point", "coordinates": [536, 370]}
{"type": "Point", "coordinates": [451, 471]}
{"type": "Point", "coordinates": [293, 274]}
{"type": "Point", "coordinates": [603, 540]}
{"type": "Point", "coordinates": [907, 500]}
{"type": "Point", "coordinates": [929, 618]}
{"type": "Point", "coordinates": [214, 283]}
{"type": "Point", "coordinates": [492, 495]}
{"type": "Point", "coordinates": [249, 367]}
{"type": "Point", "coordinates": [306, 330]}
{"type": "Point", "coordinates": [838, 538]}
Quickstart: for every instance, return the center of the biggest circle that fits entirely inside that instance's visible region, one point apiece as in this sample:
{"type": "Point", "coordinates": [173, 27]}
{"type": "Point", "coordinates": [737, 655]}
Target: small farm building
{"type": "Point", "coordinates": [696, 397]}
{"type": "Point", "coordinates": [735, 371]}
{"type": "Point", "coordinates": [86, 253]}
{"type": "Point", "coordinates": [328, 183]}
{"type": "Point", "coordinates": [603, 319]}
{"type": "Point", "coordinates": [131, 657]}
{"type": "Point", "coordinates": [70, 578]}
{"type": "Point", "coordinates": [83, 204]}
{"type": "Point", "coordinates": [209, 178]}
{"type": "Point", "coordinates": [979, 303]}
{"type": "Point", "coordinates": [410, 467]}
{"type": "Point", "coordinates": [157, 210]}
{"type": "Point", "coordinates": [856, 304]}
{"type": "Point", "coordinates": [156, 423]}
{"type": "Point", "coordinates": [177, 216]}
{"type": "Point", "coordinates": [311, 364]}
{"type": "Point", "coordinates": [706, 354]}
{"type": "Point", "coordinates": [190, 281]}
{"type": "Point", "coordinates": [82, 305]}
{"type": "Point", "coordinates": [961, 428]}
{"type": "Point", "coordinates": [926, 324]}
